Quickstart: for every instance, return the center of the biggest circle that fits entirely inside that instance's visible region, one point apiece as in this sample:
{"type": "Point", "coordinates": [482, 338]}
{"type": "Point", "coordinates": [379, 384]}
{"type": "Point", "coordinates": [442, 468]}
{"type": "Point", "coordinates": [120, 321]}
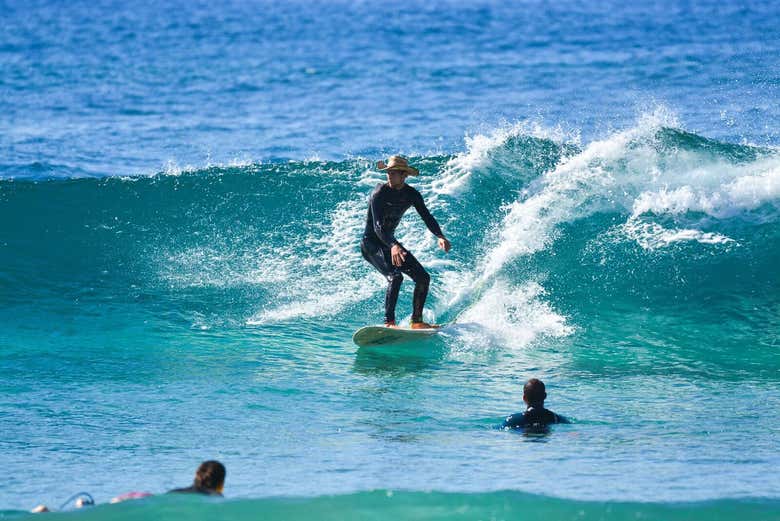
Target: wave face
{"type": "Point", "coordinates": [652, 216]}
{"type": "Point", "coordinates": [636, 275]}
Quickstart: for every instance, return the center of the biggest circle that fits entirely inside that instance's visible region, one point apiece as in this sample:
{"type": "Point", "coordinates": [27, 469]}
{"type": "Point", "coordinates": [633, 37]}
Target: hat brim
{"type": "Point", "coordinates": [408, 169]}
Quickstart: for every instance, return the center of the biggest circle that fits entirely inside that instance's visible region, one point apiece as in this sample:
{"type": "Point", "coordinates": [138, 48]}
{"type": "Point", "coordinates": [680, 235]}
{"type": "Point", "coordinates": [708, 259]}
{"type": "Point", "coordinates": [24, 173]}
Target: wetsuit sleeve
{"type": "Point", "coordinates": [561, 419]}
{"type": "Point", "coordinates": [427, 218]}
{"type": "Point", "coordinates": [378, 218]}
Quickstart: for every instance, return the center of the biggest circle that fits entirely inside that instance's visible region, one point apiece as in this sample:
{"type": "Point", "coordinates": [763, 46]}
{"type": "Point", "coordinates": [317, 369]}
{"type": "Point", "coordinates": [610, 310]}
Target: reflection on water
{"type": "Point", "coordinates": [400, 359]}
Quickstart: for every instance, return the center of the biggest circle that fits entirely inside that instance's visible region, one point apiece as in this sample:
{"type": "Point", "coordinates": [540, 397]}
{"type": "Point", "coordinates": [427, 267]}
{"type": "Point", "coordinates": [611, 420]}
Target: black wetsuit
{"type": "Point", "coordinates": [535, 417]}
{"type": "Point", "coordinates": [386, 206]}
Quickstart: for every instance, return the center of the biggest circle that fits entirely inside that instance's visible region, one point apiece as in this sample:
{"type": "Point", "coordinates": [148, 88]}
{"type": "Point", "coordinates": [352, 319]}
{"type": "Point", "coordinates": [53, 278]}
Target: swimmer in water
{"type": "Point", "coordinates": [535, 415]}
{"type": "Point", "coordinates": [209, 480]}
{"type": "Point", "coordinates": [387, 204]}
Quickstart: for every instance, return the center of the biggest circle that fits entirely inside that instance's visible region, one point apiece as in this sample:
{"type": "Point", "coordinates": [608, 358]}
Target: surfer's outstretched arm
{"type": "Point", "coordinates": [430, 222]}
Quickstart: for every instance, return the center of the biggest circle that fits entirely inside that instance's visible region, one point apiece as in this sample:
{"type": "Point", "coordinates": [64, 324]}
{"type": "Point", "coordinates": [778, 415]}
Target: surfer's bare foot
{"type": "Point", "coordinates": [391, 324]}
{"type": "Point", "coordinates": [424, 325]}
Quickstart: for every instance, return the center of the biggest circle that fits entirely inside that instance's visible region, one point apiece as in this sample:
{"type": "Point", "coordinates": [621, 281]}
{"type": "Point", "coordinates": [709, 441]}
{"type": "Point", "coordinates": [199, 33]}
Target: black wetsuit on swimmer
{"type": "Point", "coordinates": [535, 417]}
{"type": "Point", "coordinates": [385, 209]}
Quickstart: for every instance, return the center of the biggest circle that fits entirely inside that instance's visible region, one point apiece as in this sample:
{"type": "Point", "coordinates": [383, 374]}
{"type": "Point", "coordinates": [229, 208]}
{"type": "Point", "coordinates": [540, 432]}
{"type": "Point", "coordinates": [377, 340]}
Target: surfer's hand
{"type": "Point", "coordinates": [398, 255]}
{"type": "Point", "coordinates": [444, 244]}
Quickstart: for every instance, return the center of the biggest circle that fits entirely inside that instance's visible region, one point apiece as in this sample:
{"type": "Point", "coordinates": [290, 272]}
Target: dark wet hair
{"type": "Point", "coordinates": [533, 391]}
{"type": "Point", "coordinates": [210, 475]}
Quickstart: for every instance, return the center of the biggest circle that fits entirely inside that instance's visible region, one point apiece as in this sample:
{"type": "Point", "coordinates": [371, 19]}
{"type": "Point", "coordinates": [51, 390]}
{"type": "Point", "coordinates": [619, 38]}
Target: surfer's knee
{"type": "Point", "coordinates": [395, 278]}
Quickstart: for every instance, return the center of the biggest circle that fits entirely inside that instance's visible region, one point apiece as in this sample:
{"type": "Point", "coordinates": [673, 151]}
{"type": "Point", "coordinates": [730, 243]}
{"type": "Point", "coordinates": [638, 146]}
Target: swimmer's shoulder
{"type": "Point", "coordinates": [522, 419]}
{"type": "Point", "coordinates": [514, 421]}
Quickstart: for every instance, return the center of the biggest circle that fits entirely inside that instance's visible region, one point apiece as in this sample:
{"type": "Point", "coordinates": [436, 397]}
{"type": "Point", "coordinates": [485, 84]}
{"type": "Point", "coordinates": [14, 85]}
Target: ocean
{"type": "Point", "coordinates": [183, 189]}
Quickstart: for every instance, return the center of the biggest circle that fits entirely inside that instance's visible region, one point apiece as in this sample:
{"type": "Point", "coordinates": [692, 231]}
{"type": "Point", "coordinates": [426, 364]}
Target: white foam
{"type": "Point", "coordinates": [516, 316]}
{"type": "Point", "coordinates": [720, 190]}
{"type": "Point", "coordinates": [652, 236]}
{"type": "Point", "coordinates": [173, 169]}
{"type": "Point", "coordinates": [319, 303]}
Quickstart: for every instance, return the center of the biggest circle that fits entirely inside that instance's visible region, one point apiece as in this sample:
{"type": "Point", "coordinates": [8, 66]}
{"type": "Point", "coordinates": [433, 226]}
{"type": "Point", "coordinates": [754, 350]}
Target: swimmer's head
{"type": "Point", "coordinates": [210, 475]}
{"type": "Point", "coordinates": [534, 393]}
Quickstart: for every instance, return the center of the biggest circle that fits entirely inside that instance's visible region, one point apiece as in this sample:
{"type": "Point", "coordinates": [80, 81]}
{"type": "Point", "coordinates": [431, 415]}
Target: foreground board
{"type": "Point", "coordinates": [380, 335]}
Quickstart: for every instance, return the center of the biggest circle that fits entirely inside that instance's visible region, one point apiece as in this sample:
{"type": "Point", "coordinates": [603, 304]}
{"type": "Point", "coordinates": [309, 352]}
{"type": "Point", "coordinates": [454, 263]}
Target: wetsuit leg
{"type": "Point", "coordinates": [422, 281]}
{"type": "Point", "coordinates": [391, 296]}
{"type": "Point", "coordinates": [379, 257]}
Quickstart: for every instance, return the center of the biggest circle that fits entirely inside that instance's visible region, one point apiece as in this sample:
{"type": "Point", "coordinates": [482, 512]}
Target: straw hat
{"type": "Point", "coordinates": [398, 163]}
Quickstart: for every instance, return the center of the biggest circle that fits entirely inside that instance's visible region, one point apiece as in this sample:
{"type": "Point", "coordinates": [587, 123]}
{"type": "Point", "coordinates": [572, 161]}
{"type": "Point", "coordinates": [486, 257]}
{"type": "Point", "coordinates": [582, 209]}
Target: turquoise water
{"type": "Point", "coordinates": [421, 505]}
{"type": "Point", "coordinates": [180, 277]}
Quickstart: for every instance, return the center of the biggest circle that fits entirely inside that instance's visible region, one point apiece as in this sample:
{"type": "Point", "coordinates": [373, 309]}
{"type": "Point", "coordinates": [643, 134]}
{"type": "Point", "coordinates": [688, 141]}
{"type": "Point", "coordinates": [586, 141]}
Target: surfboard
{"type": "Point", "coordinates": [381, 335]}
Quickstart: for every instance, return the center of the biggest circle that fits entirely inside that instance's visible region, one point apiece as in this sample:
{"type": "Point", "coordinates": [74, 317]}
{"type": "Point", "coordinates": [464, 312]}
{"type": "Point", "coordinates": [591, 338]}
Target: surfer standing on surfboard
{"type": "Point", "coordinates": [386, 206]}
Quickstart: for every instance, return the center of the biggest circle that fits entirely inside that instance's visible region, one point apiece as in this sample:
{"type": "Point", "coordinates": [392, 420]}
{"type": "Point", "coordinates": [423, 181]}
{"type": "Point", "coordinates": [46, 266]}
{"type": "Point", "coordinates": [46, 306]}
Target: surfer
{"type": "Point", "coordinates": [387, 204]}
{"type": "Point", "coordinates": [535, 415]}
{"type": "Point", "coordinates": [209, 480]}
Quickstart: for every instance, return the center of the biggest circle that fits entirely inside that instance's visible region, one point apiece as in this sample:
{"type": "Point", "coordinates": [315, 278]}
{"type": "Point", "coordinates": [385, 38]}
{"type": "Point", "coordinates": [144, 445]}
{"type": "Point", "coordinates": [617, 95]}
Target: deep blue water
{"type": "Point", "coordinates": [106, 88]}
{"type": "Point", "coordinates": [182, 193]}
